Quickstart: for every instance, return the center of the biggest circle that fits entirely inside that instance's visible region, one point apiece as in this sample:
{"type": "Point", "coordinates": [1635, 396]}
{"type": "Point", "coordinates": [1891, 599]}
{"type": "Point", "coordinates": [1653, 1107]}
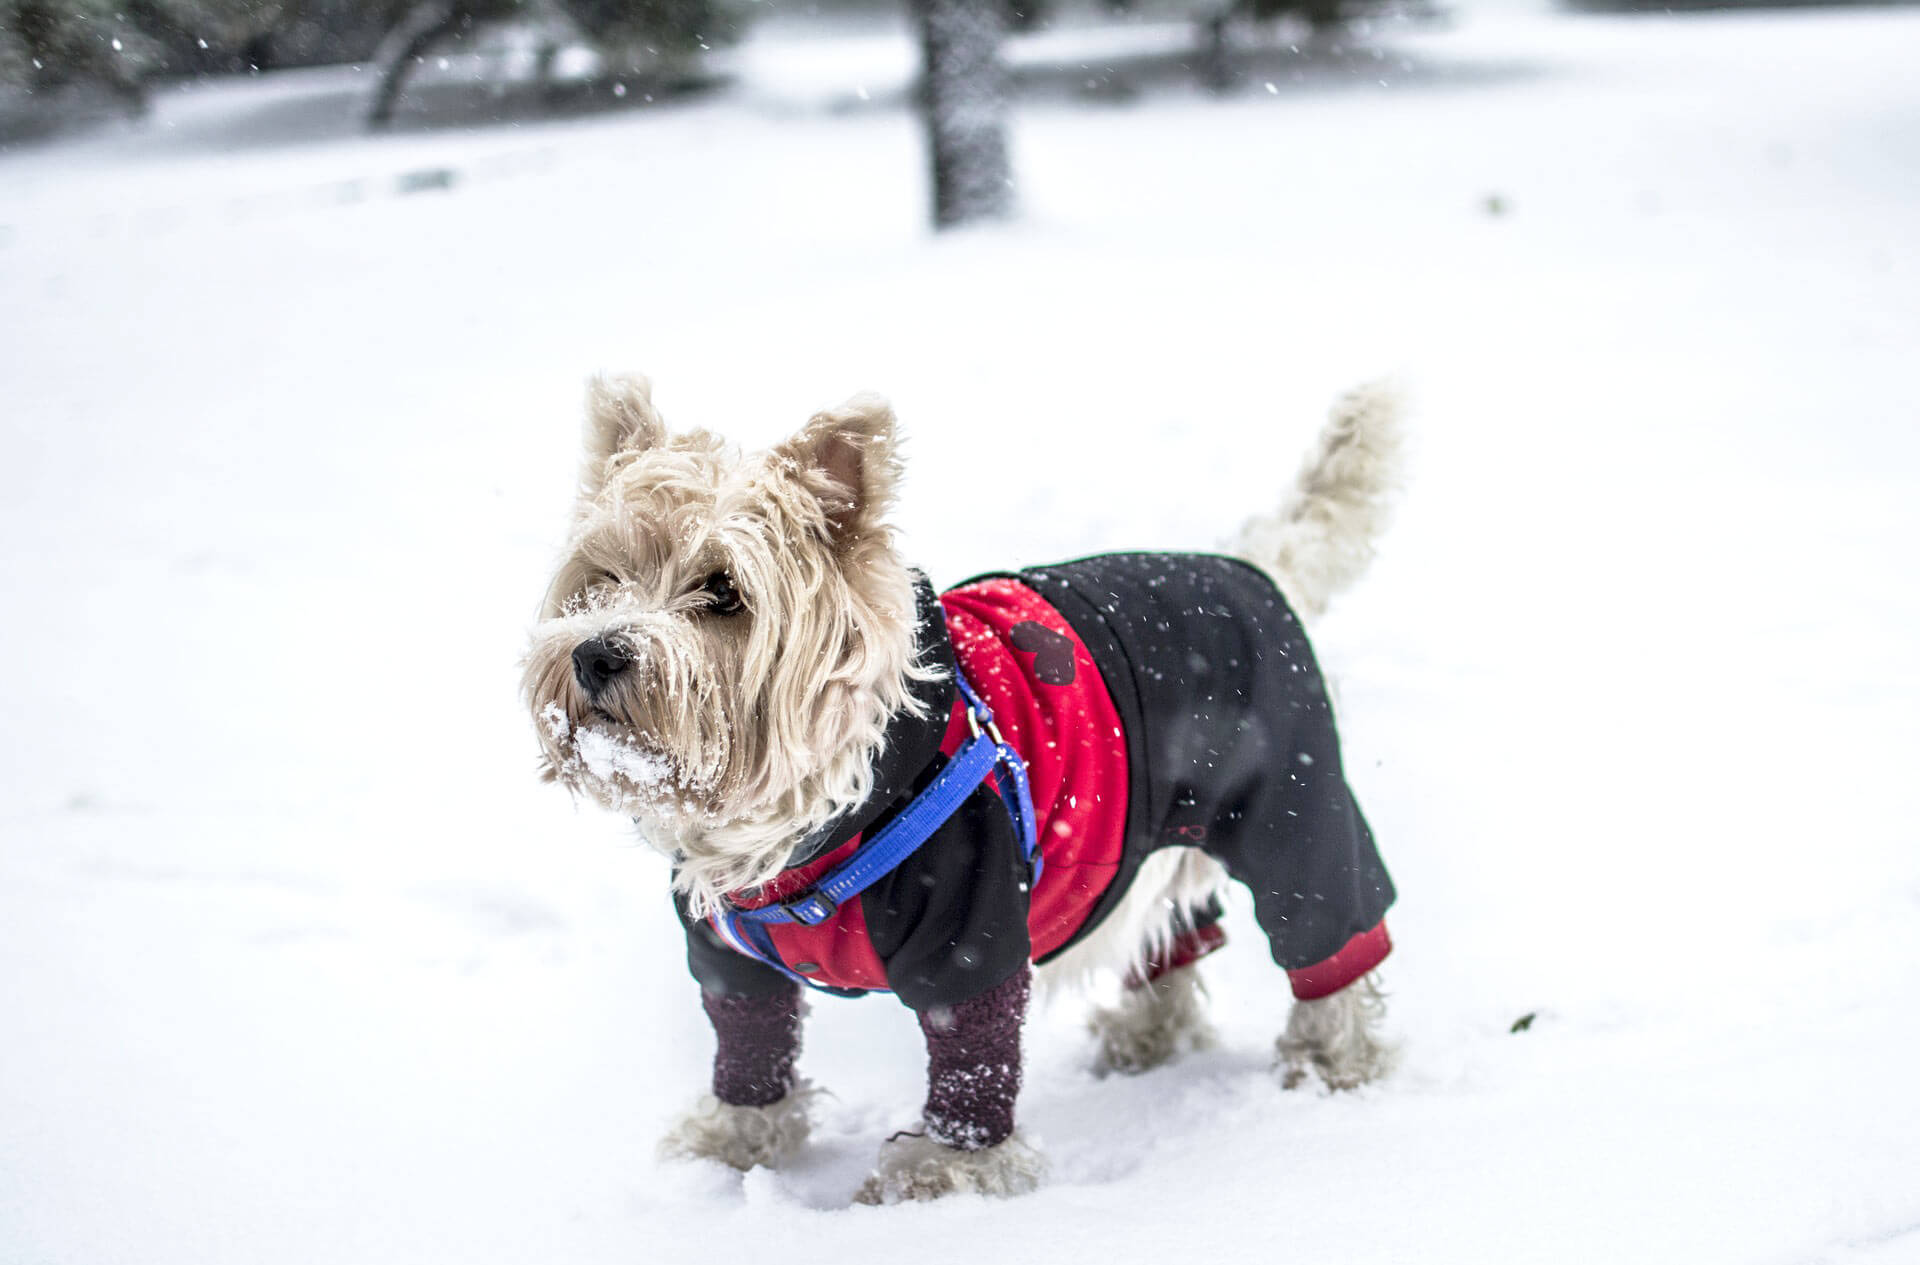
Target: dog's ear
{"type": "Point", "coordinates": [620, 419]}
{"type": "Point", "coordinates": [848, 459]}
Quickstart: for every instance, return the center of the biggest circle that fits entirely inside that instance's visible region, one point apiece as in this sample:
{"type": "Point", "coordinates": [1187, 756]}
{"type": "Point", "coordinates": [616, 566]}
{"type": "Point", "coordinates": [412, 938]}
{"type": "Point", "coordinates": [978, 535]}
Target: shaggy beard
{"type": "Point", "coordinates": [723, 778]}
{"type": "Point", "coordinates": [658, 744]}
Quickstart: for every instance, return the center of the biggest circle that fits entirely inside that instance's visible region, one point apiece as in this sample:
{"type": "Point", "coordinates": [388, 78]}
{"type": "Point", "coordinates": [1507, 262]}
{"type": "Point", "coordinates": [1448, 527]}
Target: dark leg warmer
{"type": "Point", "coordinates": [758, 1039]}
{"type": "Point", "coordinates": [973, 1065]}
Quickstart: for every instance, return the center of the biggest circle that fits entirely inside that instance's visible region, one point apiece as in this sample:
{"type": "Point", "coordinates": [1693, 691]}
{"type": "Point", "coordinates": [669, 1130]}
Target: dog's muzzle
{"type": "Point", "coordinates": [597, 662]}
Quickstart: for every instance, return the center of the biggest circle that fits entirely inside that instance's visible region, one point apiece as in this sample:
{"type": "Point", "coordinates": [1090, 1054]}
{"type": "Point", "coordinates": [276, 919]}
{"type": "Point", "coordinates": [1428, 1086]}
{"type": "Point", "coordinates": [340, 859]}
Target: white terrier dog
{"type": "Point", "coordinates": [867, 786]}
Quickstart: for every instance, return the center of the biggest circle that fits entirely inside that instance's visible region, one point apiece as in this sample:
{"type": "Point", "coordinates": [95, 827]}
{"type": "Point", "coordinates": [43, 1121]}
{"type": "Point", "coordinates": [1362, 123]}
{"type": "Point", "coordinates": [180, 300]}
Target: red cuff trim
{"type": "Point", "coordinates": [1358, 956]}
{"type": "Point", "coordinates": [1185, 949]}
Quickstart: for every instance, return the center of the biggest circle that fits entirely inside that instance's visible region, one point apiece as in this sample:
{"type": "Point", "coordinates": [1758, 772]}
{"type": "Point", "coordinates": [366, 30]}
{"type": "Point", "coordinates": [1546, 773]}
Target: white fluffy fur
{"type": "Point", "coordinates": [1153, 1024]}
{"type": "Point", "coordinates": [913, 1166]}
{"type": "Point", "coordinates": [744, 1137]}
{"type": "Point", "coordinates": [1337, 1038]}
{"type": "Point", "coordinates": [1322, 537]}
{"type": "Point", "coordinates": [1168, 883]}
{"type": "Point", "coordinates": [620, 418]}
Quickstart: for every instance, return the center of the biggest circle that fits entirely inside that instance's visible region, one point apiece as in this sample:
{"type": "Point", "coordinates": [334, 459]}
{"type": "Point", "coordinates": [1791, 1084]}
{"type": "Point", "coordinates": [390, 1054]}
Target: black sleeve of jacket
{"type": "Point", "coordinates": [951, 921]}
{"type": "Point", "coordinates": [720, 970]}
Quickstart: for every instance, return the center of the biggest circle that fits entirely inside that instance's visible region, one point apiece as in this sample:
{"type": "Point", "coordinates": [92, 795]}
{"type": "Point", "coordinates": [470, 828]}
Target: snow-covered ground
{"type": "Point", "coordinates": [298, 963]}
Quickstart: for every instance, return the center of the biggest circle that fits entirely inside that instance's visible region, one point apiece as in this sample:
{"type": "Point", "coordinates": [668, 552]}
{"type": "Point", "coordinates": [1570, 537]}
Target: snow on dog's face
{"type": "Point", "coordinates": [722, 648]}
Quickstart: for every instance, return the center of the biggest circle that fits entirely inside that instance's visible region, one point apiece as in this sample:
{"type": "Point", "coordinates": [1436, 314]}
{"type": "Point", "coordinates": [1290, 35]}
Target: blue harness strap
{"type": "Point", "coordinates": [984, 753]}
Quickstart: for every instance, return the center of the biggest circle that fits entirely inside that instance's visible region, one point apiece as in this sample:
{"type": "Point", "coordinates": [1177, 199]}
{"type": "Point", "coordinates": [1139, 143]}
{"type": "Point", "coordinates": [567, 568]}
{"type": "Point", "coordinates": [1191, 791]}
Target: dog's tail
{"type": "Point", "coordinates": [1321, 538]}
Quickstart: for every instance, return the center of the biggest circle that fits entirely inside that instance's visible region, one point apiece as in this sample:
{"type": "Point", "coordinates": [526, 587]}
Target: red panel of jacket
{"type": "Point", "coordinates": [1070, 736]}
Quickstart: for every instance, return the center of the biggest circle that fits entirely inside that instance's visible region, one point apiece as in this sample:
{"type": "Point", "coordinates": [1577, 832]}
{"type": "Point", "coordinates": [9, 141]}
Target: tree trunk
{"type": "Point", "coordinates": [1216, 53]}
{"type": "Point", "coordinates": [964, 93]}
{"type": "Point", "coordinates": [425, 26]}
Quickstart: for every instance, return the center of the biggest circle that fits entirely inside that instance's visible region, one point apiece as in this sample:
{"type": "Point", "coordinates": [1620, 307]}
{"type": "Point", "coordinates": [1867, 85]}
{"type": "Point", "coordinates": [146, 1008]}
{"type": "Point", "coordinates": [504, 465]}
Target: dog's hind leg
{"type": "Point", "coordinates": [1156, 1020]}
{"type": "Point", "coordinates": [1336, 1038]}
{"type": "Point", "coordinates": [1155, 938]}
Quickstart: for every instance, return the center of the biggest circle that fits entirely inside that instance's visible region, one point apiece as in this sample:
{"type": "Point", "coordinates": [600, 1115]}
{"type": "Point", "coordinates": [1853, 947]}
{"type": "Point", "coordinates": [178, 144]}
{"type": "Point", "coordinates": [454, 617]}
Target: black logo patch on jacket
{"type": "Point", "coordinates": [1052, 653]}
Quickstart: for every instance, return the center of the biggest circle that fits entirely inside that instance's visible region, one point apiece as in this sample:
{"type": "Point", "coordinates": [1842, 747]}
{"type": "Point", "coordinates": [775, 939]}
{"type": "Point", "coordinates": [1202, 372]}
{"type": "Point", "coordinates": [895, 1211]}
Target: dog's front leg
{"type": "Point", "coordinates": [757, 1112]}
{"type": "Point", "coordinates": [967, 1140]}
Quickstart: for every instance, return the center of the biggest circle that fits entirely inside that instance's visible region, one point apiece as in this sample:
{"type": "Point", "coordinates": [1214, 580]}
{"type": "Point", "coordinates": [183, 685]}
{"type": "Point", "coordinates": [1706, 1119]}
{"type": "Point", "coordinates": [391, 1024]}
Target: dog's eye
{"type": "Point", "coordinates": [722, 597]}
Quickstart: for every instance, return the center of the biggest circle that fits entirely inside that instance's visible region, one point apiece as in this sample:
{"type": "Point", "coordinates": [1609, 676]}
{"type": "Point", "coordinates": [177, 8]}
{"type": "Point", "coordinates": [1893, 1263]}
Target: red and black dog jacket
{"type": "Point", "coordinates": [1160, 700]}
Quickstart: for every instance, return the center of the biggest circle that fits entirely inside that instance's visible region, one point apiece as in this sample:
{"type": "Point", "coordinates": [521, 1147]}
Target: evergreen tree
{"type": "Point", "coordinates": [46, 45]}
{"type": "Point", "coordinates": [644, 33]}
{"type": "Point", "coordinates": [49, 45]}
{"type": "Point", "coordinates": [637, 37]}
{"type": "Point", "coordinates": [323, 32]}
{"type": "Point", "coordinates": [207, 36]}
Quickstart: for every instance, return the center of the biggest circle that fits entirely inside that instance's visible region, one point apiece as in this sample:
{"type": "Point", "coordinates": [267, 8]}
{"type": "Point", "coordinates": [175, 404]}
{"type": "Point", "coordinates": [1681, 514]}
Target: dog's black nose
{"type": "Point", "coordinates": [595, 663]}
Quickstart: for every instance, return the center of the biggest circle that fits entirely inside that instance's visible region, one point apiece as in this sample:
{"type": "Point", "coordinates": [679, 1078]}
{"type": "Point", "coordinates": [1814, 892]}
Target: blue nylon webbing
{"type": "Point", "coordinates": [878, 855]}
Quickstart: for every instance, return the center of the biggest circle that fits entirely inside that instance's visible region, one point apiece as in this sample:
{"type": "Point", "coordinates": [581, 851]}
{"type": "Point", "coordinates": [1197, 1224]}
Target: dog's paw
{"type": "Point", "coordinates": [743, 1137]}
{"type": "Point", "coordinates": [914, 1166]}
{"type": "Point", "coordinates": [1335, 1074]}
{"type": "Point", "coordinates": [1154, 1023]}
{"type": "Point", "coordinates": [1336, 1038]}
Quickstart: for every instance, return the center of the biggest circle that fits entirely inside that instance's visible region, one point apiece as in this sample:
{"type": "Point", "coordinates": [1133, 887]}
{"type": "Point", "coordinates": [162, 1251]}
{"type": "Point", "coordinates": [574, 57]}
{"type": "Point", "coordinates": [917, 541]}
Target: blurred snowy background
{"type": "Point", "coordinates": [298, 961]}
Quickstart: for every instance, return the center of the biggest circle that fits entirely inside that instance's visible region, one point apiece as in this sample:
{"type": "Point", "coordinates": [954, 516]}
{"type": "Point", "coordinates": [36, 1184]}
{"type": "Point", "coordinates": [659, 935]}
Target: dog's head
{"type": "Point", "coordinates": [728, 635]}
